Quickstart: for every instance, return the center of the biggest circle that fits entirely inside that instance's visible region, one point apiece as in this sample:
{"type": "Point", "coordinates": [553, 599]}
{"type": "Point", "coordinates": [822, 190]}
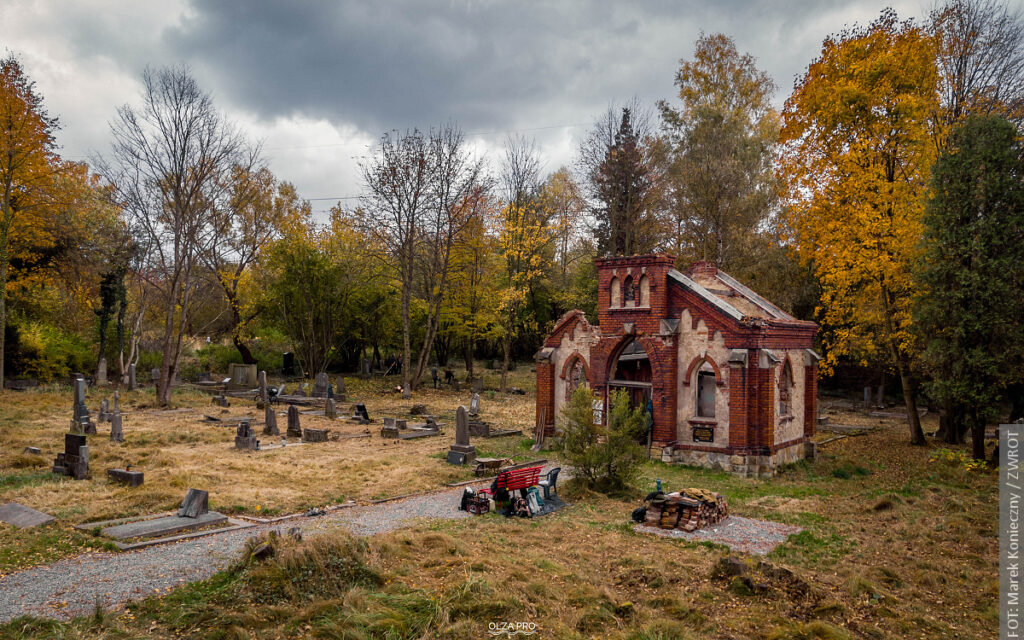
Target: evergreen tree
{"type": "Point", "coordinates": [972, 272]}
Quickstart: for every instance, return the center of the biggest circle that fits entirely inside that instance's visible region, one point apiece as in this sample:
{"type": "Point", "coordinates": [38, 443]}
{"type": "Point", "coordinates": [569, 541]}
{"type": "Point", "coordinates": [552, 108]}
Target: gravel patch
{"type": "Point", "coordinates": [73, 586]}
{"type": "Point", "coordinates": [756, 537]}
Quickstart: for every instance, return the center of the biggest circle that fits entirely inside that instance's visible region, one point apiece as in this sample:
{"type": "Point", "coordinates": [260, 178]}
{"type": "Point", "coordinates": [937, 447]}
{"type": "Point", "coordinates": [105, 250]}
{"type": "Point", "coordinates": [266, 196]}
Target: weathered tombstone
{"type": "Point", "coordinates": [474, 405]}
{"type": "Point", "coordinates": [264, 394]}
{"type": "Point", "coordinates": [242, 375]}
{"type": "Point", "coordinates": [341, 393]}
{"type": "Point", "coordinates": [245, 437]}
{"type": "Point", "coordinates": [101, 372]}
{"type": "Point", "coordinates": [330, 410]}
{"type": "Point", "coordinates": [364, 367]}
{"type": "Point", "coordinates": [270, 423]}
{"type": "Point", "coordinates": [360, 414]}
{"type": "Point", "coordinates": [294, 429]}
{"type": "Point", "coordinates": [80, 422]}
{"type": "Point", "coordinates": [314, 435]}
{"type": "Point", "coordinates": [116, 432]}
{"type": "Point", "coordinates": [132, 383]}
{"type": "Point", "coordinates": [22, 517]}
{"type": "Point", "coordinates": [195, 504]}
{"type": "Point", "coordinates": [461, 452]}
{"type": "Point", "coordinates": [221, 401]}
{"type": "Point", "coordinates": [124, 476]}
{"type": "Point", "coordinates": [117, 401]}
{"type": "Point", "coordinates": [288, 368]}
{"type": "Point", "coordinates": [400, 424]}
{"type": "Point", "coordinates": [320, 385]}
{"type": "Point", "coordinates": [74, 460]}
{"type": "Point", "coordinates": [104, 414]}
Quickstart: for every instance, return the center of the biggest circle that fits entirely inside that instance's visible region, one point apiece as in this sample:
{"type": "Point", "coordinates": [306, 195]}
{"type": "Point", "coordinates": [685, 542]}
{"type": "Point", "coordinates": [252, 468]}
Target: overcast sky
{"type": "Point", "coordinates": [318, 82]}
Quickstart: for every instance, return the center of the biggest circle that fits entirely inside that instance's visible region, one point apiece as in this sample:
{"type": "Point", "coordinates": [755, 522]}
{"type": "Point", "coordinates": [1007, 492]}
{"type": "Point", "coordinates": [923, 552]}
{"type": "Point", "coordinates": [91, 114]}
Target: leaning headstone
{"type": "Point", "coordinates": [245, 437]}
{"type": "Point", "coordinates": [294, 429]}
{"type": "Point", "coordinates": [270, 423]}
{"type": "Point", "coordinates": [461, 452]}
{"type": "Point", "coordinates": [320, 385]}
{"type": "Point", "coordinates": [195, 504]}
{"type": "Point", "coordinates": [116, 433]}
{"type": "Point", "coordinates": [340, 393]}
{"type": "Point", "coordinates": [330, 410]}
{"type": "Point", "coordinates": [474, 405]}
{"type": "Point", "coordinates": [101, 372]}
{"type": "Point", "coordinates": [132, 383]}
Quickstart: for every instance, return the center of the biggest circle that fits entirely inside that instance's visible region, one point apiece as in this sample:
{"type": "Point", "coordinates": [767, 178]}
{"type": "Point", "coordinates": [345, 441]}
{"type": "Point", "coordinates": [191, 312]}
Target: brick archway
{"type": "Point", "coordinates": [576, 355]}
{"type": "Point", "coordinates": [699, 361]}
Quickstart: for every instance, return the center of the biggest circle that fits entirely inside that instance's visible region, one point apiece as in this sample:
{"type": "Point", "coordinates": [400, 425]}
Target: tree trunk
{"type": "Point", "coordinates": [406, 346]}
{"type": "Point", "coordinates": [506, 348]}
{"type": "Point", "coordinates": [467, 355]}
{"type": "Point", "coordinates": [247, 357]}
{"type": "Point", "coordinates": [913, 420]}
{"type": "Point", "coordinates": [3, 315]}
{"type": "Point", "coordinates": [978, 434]}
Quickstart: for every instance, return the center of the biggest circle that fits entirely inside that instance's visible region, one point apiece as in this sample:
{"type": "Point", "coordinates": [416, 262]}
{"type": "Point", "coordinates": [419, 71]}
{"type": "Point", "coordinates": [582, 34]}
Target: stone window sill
{"type": "Point", "coordinates": [637, 308]}
{"type": "Point", "coordinates": [786, 418]}
{"type": "Point", "coordinates": [702, 420]}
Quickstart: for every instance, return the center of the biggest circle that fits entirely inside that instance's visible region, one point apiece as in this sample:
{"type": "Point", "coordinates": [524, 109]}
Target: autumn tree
{"type": "Point", "coordinates": [251, 217]}
{"type": "Point", "coordinates": [980, 53]}
{"type": "Point", "coordinates": [561, 197]}
{"type": "Point", "coordinates": [972, 272]}
{"type": "Point", "coordinates": [27, 165]}
{"type": "Point", "coordinates": [171, 164]}
{"type": "Point", "coordinates": [620, 158]}
{"type": "Point", "coordinates": [857, 152]}
{"type": "Point", "coordinates": [723, 135]}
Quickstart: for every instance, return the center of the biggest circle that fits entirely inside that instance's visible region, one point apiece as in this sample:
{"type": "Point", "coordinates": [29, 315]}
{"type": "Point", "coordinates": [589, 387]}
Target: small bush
{"type": "Point", "coordinates": [604, 457]}
{"type": "Point", "coordinates": [48, 353]}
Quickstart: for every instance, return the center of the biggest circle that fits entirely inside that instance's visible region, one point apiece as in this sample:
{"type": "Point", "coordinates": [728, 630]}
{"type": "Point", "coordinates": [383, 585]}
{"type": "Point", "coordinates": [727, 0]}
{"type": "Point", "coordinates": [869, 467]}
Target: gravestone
{"type": "Point", "coordinates": [74, 460]}
{"type": "Point", "coordinates": [22, 517]}
{"type": "Point", "coordinates": [314, 435]}
{"type": "Point", "coordinates": [81, 423]}
{"type": "Point", "coordinates": [880, 398]}
{"type": "Point", "coordinates": [288, 359]}
{"type": "Point", "coordinates": [117, 401]}
{"type": "Point", "coordinates": [461, 452]}
{"type": "Point", "coordinates": [330, 410]}
{"type": "Point", "coordinates": [221, 401]}
{"type": "Point", "coordinates": [270, 422]}
{"type": "Point", "coordinates": [320, 385]}
{"type": "Point", "coordinates": [132, 383]}
{"type": "Point", "coordinates": [124, 476]}
{"type": "Point", "coordinates": [341, 393]}
{"type": "Point", "coordinates": [359, 413]}
{"type": "Point", "coordinates": [364, 367]}
{"type": "Point", "coordinates": [867, 397]}
{"type": "Point", "coordinates": [195, 504]}
{"type": "Point", "coordinates": [116, 432]}
{"type": "Point", "coordinates": [101, 372]}
{"type": "Point", "coordinates": [264, 394]}
{"type": "Point", "coordinates": [104, 414]}
{"type": "Point", "coordinates": [294, 430]}
{"type": "Point", "coordinates": [242, 375]}
{"type": "Point", "coordinates": [474, 405]}
{"type": "Point", "coordinates": [245, 437]}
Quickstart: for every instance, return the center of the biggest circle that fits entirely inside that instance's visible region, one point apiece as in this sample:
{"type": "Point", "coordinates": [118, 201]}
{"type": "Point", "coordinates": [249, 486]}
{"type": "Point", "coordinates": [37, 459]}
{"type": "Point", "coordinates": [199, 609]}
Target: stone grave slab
{"type": "Point", "coordinates": [158, 527]}
{"type": "Point", "coordinates": [314, 435]}
{"type": "Point", "coordinates": [23, 517]}
{"type": "Point", "coordinates": [130, 478]}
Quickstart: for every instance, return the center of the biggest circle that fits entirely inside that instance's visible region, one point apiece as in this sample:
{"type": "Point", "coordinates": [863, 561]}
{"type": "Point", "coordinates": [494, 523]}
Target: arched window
{"type": "Point", "coordinates": [786, 390]}
{"type": "Point", "coordinates": [706, 389]}
{"type": "Point", "coordinates": [616, 293]}
{"type": "Point", "coordinates": [575, 378]}
{"type": "Point", "coordinates": [645, 291]}
{"type": "Point", "coordinates": [628, 292]}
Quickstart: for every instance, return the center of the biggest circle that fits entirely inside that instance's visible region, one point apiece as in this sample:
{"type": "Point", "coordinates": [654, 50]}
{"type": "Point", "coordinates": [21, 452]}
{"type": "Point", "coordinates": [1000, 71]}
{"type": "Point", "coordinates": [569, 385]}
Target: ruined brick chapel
{"type": "Point", "coordinates": [729, 378]}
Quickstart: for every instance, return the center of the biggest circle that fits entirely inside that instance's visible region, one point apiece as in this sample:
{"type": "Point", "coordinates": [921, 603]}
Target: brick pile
{"type": "Point", "coordinates": [687, 510]}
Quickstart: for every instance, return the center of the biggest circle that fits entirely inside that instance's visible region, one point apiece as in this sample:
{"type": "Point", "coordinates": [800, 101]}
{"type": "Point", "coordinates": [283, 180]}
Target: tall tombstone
{"type": "Point", "coordinates": [294, 429]}
{"type": "Point", "coordinates": [330, 410]}
{"type": "Point", "coordinates": [80, 422]}
{"type": "Point", "coordinates": [320, 385]}
{"type": "Point", "coordinates": [474, 405]}
{"type": "Point", "coordinates": [340, 394]}
{"type": "Point", "coordinates": [116, 432]}
{"type": "Point", "coordinates": [461, 452]}
{"type": "Point", "coordinates": [270, 422]}
{"type": "Point", "coordinates": [117, 401]}
{"type": "Point", "coordinates": [262, 380]}
{"type": "Point", "coordinates": [101, 372]}
{"type": "Point", "coordinates": [132, 382]}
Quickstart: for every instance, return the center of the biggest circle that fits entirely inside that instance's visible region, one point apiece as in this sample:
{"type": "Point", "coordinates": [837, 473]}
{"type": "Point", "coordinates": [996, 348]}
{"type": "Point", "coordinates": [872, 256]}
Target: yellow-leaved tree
{"type": "Point", "coordinates": [857, 151]}
{"type": "Point", "coordinates": [27, 161]}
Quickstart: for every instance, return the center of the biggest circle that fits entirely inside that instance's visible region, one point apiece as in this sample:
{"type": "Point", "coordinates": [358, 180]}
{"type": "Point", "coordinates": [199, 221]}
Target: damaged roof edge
{"type": "Point", "coordinates": [751, 295]}
{"type": "Point", "coordinates": [690, 284]}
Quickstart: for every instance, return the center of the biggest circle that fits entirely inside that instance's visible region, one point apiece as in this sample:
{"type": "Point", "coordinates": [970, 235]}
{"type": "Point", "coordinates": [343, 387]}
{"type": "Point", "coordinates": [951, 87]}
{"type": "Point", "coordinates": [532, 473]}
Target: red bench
{"type": "Point", "coordinates": [514, 479]}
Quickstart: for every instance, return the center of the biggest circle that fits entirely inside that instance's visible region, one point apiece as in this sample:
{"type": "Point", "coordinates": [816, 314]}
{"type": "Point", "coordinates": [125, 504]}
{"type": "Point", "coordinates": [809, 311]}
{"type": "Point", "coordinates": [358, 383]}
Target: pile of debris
{"type": "Point", "coordinates": [687, 510]}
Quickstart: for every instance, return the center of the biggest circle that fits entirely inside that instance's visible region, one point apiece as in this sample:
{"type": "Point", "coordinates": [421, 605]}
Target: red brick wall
{"type": "Point", "coordinates": [810, 400]}
{"type": "Point", "coordinates": [546, 396]}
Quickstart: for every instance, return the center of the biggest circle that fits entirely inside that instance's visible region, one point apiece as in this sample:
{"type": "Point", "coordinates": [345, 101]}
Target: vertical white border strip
{"type": "Point", "coordinates": [1011, 481]}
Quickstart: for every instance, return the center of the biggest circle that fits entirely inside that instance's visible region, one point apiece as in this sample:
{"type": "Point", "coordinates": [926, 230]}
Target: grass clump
{"type": "Point", "coordinates": [815, 630]}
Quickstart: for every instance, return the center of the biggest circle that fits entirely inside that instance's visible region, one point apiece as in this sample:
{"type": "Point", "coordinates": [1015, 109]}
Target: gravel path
{"type": "Point", "coordinates": [756, 537]}
{"type": "Point", "coordinates": [73, 586]}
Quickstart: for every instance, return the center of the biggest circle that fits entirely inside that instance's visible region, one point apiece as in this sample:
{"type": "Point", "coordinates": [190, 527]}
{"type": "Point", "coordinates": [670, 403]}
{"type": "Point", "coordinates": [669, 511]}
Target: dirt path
{"type": "Point", "coordinates": [73, 586]}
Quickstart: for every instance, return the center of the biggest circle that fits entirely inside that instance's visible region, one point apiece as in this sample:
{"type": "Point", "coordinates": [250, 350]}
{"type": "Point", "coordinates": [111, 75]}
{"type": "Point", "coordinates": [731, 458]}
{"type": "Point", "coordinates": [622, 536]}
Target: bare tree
{"type": "Point", "coordinates": [171, 163]}
{"type": "Point", "coordinates": [980, 58]}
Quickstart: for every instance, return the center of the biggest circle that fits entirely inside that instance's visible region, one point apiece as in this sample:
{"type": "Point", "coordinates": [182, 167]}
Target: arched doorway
{"type": "Point", "coordinates": [631, 372]}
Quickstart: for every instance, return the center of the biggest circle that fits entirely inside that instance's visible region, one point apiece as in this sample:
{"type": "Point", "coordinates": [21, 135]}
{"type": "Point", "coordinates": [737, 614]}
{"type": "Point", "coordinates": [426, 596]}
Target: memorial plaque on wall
{"type": "Point", "coordinates": [703, 434]}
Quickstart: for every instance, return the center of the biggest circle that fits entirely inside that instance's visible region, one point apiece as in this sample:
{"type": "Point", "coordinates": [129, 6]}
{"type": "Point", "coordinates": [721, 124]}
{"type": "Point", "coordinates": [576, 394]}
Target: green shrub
{"type": "Point", "coordinates": [604, 457]}
{"type": "Point", "coordinates": [48, 353]}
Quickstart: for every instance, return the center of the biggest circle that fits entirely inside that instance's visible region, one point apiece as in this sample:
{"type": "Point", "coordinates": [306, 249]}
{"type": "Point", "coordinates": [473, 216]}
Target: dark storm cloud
{"type": "Point", "coordinates": [381, 65]}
